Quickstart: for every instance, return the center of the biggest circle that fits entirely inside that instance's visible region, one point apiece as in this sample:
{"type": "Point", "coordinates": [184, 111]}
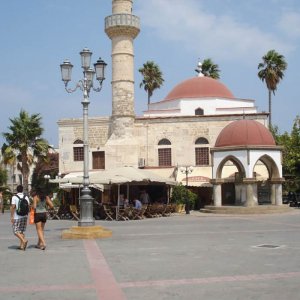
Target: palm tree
{"type": "Point", "coordinates": [209, 69]}
{"type": "Point", "coordinates": [24, 141]}
{"type": "Point", "coordinates": [9, 158]}
{"type": "Point", "coordinates": [271, 72]}
{"type": "Point", "coordinates": [152, 78]}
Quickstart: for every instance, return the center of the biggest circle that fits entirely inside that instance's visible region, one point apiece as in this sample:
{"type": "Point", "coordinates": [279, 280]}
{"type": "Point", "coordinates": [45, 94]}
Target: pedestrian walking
{"type": "Point", "coordinates": [19, 209]}
{"type": "Point", "coordinates": [40, 203]}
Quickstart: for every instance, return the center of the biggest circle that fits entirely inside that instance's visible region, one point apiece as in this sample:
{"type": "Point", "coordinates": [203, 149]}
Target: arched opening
{"type": "Point", "coordinates": [231, 171]}
{"type": "Point", "coordinates": [264, 170]}
{"type": "Point", "coordinates": [199, 111]}
{"type": "Point", "coordinates": [271, 166]}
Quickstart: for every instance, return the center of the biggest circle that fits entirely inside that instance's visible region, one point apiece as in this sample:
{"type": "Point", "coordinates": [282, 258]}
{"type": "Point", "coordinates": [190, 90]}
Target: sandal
{"type": "Point", "coordinates": [25, 245]}
{"type": "Point", "coordinates": [41, 247]}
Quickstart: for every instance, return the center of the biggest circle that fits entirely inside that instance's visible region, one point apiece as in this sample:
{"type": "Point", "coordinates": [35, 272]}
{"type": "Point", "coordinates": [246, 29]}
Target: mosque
{"type": "Point", "coordinates": [200, 134]}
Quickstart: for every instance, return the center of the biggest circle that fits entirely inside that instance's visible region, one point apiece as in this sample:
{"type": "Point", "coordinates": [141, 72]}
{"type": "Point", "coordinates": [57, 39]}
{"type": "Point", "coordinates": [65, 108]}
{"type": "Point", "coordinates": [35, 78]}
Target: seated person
{"type": "Point", "coordinates": [145, 199]}
{"type": "Point", "coordinates": [126, 202]}
{"type": "Point", "coordinates": [121, 200]}
{"type": "Point", "coordinates": [137, 203]}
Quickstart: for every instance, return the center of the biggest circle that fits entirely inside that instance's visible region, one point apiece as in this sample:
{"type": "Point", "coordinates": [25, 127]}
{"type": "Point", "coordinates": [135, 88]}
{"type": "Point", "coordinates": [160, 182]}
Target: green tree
{"type": "Point", "coordinates": [291, 154]}
{"type": "Point", "coordinates": [271, 71]}
{"type": "Point", "coordinates": [24, 141]}
{"type": "Point", "coordinates": [209, 69]}
{"type": "Point", "coordinates": [152, 78]}
{"type": "Point", "coordinates": [293, 163]}
{"type": "Point", "coordinates": [48, 166]}
{"type": "Point", "coordinates": [3, 177]}
{"type": "Point", "coordinates": [9, 158]}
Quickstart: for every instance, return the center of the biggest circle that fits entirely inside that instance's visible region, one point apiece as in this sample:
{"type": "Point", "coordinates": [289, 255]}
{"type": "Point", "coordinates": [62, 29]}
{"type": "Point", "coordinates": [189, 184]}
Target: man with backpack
{"type": "Point", "coordinates": [18, 213]}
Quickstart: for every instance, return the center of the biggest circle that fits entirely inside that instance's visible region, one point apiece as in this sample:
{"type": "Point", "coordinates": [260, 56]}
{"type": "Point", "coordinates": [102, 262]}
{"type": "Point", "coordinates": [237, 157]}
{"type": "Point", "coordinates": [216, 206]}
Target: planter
{"type": "Point", "coordinates": [180, 208]}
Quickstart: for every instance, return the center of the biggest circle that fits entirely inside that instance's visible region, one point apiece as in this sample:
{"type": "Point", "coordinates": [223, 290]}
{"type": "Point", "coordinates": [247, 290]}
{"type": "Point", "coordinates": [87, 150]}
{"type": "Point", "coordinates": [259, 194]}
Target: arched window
{"type": "Point", "coordinates": [202, 152]}
{"type": "Point", "coordinates": [164, 142]}
{"type": "Point", "coordinates": [201, 141]}
{"type": "Point", "coordinates": [199, 112]}
{"type": "Point", "coordinates": [78, 151]}
{"type": "Point", "coordinates": [164, 153]}
{"type": "Point", "coordinates": [78, 142]}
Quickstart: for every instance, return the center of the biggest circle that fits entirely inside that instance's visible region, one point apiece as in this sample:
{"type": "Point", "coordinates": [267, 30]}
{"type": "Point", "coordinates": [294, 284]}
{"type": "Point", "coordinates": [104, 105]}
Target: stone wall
{"type": "Point", "coordinates": [182, 132]}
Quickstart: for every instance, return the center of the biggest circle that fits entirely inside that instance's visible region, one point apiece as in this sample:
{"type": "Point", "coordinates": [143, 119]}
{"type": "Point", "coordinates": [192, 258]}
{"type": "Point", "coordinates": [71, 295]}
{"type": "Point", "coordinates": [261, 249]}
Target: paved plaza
{"type": "Point", "coordinates": [197, 256]}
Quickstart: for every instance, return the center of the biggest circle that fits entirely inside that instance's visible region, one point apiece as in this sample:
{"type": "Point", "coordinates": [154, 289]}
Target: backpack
{"type": "Point", "coordinates": [23, 206]}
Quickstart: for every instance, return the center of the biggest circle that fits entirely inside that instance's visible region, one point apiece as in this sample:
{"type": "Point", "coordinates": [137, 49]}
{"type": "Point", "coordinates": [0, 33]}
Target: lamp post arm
{"type": "Point", "coordinates": [79, 85]}
{"type": "Point", "coordinates": [98, 89]}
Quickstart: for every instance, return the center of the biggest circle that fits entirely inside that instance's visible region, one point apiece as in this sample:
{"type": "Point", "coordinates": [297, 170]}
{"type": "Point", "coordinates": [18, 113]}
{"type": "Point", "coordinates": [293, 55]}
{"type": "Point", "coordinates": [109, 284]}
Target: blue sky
{"type": "Point", "coordinates": [37, 35]}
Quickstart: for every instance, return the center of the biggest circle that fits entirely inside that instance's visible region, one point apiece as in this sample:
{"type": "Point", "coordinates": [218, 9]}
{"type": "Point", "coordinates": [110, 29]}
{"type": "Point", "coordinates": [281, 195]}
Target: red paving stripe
{"type": "Point", "coordinates": [106, 286]}
{"type": "Point", "coordinates": [165, 283]}
{"type": "Point", "coordinates": [104, 282]}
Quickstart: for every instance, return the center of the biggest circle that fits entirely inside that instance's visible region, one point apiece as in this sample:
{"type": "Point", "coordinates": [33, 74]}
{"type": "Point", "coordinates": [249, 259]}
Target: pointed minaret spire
{"type": "Point", "coordinates": [199, 68]}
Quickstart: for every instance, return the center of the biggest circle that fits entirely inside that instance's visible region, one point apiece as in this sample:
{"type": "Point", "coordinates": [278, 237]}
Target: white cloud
{"type": "Point", "coordinates": [209, 34]}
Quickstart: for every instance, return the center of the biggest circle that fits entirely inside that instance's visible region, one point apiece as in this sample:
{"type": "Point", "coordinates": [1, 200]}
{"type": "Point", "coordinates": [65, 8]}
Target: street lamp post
{"type": "Point", "coordinates": [47, 178]}
{"type": "Point", "coordinates": [187, 170]}
{"type": "Point", "coordinates": [85, 85]}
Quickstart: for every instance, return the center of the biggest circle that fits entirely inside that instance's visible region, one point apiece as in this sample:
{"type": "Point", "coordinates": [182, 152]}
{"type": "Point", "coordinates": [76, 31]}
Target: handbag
{"type": "Point", "coordinates": [31, 216]}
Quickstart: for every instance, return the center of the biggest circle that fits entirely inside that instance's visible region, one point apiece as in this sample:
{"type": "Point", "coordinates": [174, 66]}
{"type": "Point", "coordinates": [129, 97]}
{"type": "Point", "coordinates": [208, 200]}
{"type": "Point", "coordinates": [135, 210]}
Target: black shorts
{"type": "Point", "coordinates": [40, 217]}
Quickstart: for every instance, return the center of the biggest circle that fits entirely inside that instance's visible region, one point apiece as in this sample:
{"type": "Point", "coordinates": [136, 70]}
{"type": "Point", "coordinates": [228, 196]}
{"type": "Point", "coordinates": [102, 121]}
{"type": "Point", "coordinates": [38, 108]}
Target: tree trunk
{"type": "Point", "coordinates": [25, 173]}
{"type": "Point", "coordinates": [12, 167]}
{"type": "Point", "coordinates": [270, 108]}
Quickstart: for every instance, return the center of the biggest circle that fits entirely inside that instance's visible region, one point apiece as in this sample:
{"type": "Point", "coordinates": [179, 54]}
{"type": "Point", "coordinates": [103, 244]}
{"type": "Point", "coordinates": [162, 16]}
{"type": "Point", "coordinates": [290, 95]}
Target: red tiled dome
{"type": "Point", "coordinates": [199, 87]}
{"type": "Point", "coordinates": [245, 133]}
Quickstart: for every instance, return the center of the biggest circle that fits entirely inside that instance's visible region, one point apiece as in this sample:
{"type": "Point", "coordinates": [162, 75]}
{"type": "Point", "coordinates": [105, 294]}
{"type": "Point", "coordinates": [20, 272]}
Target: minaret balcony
{"type": "Point", "coordinates": [117, 24]}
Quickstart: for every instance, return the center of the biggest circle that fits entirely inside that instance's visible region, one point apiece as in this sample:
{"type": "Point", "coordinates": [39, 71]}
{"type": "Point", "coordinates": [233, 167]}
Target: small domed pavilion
{"type": "Point", "coordinates": [246, 144]}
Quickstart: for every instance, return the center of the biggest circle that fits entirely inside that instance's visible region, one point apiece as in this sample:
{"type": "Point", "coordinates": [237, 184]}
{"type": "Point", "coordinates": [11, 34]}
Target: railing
{"type": "Point", "coordinates": [122, 20]}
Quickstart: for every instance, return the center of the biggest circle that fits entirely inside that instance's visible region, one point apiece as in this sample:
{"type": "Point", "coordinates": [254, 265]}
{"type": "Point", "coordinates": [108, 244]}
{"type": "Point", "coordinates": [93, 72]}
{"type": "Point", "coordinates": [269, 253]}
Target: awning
{"type": "Point", "coordinates": [116, 176]}
{"type": "Point", "coordinates": [163, 172]}
{"type": "Point", "coordinates": [68, 186]}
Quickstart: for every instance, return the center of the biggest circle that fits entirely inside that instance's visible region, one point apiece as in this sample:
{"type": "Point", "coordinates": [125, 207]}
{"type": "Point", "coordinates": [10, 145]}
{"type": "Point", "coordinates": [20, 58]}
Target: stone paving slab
{"type": "Point", "coordinates": [196, 256]}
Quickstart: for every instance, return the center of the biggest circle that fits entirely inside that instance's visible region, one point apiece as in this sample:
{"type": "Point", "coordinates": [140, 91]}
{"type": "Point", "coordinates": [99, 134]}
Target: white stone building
{"type": "Point", "coordinates": [178, 131]}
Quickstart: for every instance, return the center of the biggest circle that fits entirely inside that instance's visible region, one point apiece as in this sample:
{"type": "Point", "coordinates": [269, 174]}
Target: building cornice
{"type": "Point", "coordinates": [93, 121]}
{"type": "Point", "coordinates": [204, 118]}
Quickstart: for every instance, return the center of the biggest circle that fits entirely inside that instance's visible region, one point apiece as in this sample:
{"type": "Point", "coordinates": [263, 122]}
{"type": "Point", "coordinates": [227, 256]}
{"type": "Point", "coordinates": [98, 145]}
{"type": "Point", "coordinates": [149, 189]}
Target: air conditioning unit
{"type": "Point", "coordinates": [141, 162]}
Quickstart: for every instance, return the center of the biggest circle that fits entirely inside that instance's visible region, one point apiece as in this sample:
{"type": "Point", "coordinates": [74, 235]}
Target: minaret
{"type": "Point", "coordinates": [122, 27]}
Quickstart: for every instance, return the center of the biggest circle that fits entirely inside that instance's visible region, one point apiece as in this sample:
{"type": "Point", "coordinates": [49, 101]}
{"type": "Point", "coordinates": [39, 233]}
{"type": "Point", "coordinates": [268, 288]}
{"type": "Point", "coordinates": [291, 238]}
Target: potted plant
{"type": "Point", "coordinates": [180, 195]}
